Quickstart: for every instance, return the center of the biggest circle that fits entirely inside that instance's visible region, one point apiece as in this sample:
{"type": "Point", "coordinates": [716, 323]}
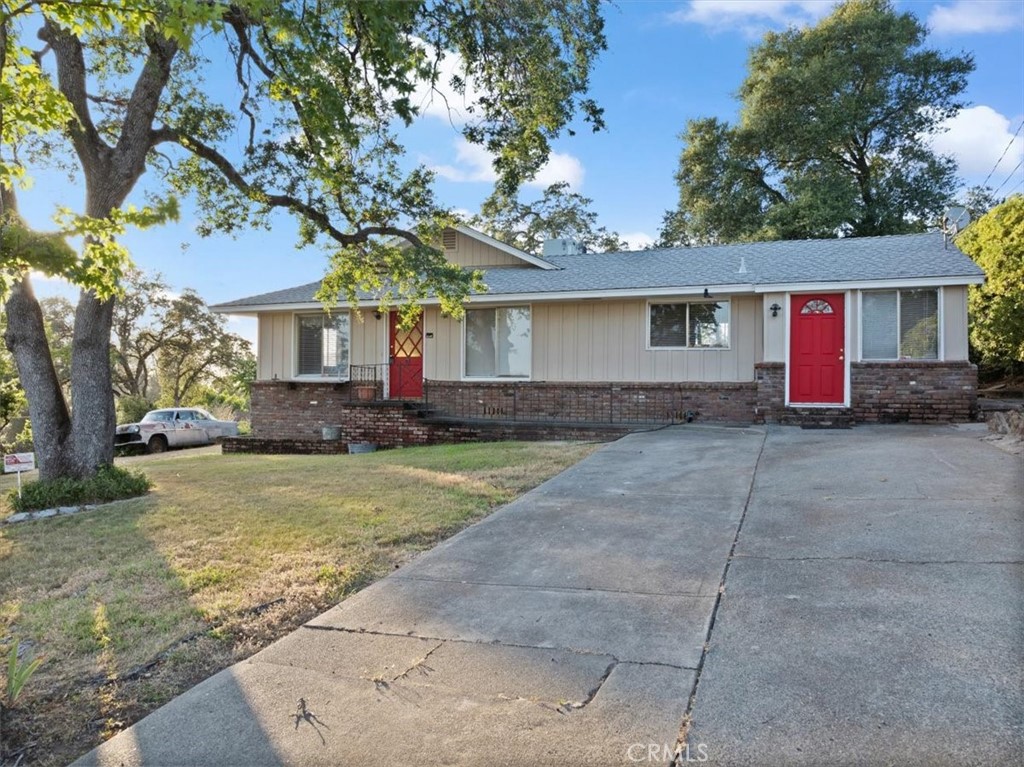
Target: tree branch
{"type": "Point", "coordinates": [71, 74]}
{"type": "Point", "coordinates": [294, 204]}
{"type": "Point", "coordinates": [133, 142]}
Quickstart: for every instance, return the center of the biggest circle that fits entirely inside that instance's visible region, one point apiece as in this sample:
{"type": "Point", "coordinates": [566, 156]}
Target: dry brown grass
{"type": "Point", "coordinates": [133, 603]}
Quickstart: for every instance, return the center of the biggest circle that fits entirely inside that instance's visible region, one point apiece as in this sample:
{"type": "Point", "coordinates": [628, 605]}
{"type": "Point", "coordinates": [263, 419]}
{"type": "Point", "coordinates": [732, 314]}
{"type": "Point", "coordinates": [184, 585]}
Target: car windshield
{"type": "Point", "coordinates": [158, 415]}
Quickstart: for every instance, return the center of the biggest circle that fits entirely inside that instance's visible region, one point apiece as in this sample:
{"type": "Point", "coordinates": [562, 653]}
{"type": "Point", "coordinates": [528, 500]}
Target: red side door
{"type": "Point", "coordinates": [817, 370]}
{"type": "Point", "coordinates": [406, 368]}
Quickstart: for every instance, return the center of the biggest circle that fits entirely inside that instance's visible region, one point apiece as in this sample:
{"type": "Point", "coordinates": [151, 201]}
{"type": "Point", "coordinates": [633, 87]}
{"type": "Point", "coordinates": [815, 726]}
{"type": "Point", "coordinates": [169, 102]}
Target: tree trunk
{"type": "Point", "coordinates": [92, 393]}
{"type": "Point", "coordinates": [51, 424]}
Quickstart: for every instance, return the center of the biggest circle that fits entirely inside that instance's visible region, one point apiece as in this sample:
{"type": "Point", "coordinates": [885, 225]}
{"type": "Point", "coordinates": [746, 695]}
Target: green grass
{"type": "Point", "coordinates": [224, 555]}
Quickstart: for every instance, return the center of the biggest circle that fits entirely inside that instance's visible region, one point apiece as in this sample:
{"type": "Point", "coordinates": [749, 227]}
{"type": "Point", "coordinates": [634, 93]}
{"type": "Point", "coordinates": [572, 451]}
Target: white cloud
{"type": "Point", "coordinates": [560, 167]}
{"type": "Point", "coordinates": [637, 240]}
{"type": "Point", "coordinates": [473, 163]}
{"type": "Point", "coordinates": [976, 137]}
{"type": "Point", "coordinates": [443, 101]}
{"type": "Point", "coordinates": [976, 17]}
{"type": "Point", "coordinates": [752, 17]}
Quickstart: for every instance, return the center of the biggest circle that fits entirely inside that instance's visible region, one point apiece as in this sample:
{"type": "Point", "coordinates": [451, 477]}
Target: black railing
{"type": "Point", "coordinates": [585, 403]}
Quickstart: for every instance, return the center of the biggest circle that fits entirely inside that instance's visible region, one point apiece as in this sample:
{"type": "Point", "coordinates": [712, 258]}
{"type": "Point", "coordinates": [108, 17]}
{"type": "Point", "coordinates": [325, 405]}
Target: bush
{"type": "Point", "coordinates": [110, 483]}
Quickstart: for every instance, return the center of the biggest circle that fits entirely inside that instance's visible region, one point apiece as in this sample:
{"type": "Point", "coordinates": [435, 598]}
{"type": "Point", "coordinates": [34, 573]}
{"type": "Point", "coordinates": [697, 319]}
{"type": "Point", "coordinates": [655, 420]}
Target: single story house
{"type": "Point", "coordinates": [869, 329]}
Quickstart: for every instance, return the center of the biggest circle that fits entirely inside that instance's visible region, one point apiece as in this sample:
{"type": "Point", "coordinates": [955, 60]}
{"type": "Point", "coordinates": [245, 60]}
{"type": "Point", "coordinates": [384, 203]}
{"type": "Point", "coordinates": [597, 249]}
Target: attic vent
{"type": "Point", "coordinates": [450, 238]}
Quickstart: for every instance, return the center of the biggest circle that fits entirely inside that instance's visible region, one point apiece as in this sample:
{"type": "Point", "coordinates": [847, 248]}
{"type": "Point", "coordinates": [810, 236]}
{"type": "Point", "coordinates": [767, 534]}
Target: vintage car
{"type": "Point", "coordinates": [173, 427]}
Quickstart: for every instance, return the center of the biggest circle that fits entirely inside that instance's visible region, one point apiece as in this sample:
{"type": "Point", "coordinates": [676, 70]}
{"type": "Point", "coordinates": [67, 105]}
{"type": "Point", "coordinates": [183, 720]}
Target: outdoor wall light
{"type": "Point", "coordinates": [376, 314]}
{"type": "Point", "coordinates": [774, 309]}
{"type": "Point", "coordinates": [706, 294]}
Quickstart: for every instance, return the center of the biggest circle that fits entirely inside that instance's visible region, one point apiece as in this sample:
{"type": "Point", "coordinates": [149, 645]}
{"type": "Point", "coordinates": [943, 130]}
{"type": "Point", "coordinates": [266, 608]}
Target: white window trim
{"type": "Point", "coordinates": [847, 329]}
{"type": "Point", "coordinates": [688, 301]}
{"type": "Point", "coordinates": [295, 349]}
{"type": "Point", "coordinates": [494, 379]}
{"type": "Point", "coordinates": [940, 299]}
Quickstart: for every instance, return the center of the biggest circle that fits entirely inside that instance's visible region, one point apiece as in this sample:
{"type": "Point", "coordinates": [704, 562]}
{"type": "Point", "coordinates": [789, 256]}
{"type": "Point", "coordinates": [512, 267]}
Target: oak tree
{"type": "Point", "coordinates": [559, 212]}
{"type": "Point", "coordinates": [307, 119]}
{"type": "Point", "coordinates": [833, 135]}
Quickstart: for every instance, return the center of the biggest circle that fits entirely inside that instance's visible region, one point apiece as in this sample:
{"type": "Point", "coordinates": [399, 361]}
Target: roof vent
{"type": "Point", "coordinates": [743, 265]}
{"type": "Point", "coordinates": [562, 246]}
{"type": "Point", "coordinates": [450, 239]}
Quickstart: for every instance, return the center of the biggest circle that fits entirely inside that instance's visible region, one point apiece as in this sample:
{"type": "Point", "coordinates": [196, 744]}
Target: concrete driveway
{"type": "Point", "coordinates": [872, 612]}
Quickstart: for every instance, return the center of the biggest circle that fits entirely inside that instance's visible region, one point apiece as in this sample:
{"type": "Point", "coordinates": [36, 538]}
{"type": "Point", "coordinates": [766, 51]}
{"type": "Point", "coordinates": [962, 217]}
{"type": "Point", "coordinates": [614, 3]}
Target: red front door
{"type": "Point", "coordinates": [817, 371]}
{"type": "Point", "coordinates": [406, 368]}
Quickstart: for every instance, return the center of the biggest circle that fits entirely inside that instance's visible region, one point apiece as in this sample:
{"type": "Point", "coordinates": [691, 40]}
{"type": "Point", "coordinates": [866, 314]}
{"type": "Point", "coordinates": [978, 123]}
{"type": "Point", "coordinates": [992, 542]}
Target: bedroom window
{"type": "Point", "coordinates": [689, 325]}
{"type": "Point", "coordinates": [900, 325]}
{"type": "Point", "coordinates": [498, 342]}
{"type": "Point", "coordinates": [323, 344]}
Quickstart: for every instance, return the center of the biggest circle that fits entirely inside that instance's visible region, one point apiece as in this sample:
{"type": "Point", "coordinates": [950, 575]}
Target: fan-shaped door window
{"type": "Point", "coordinates": [817, 306]}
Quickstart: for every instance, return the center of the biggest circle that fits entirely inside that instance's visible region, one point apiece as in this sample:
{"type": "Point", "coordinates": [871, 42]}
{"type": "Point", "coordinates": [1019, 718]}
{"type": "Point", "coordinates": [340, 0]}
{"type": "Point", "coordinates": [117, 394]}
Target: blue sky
{"type": "Point", "coordinates": [666, 63]}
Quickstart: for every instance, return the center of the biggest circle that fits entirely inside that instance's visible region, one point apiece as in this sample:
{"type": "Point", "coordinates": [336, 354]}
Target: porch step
{"type": "Point", "coordinates": [819, 418]}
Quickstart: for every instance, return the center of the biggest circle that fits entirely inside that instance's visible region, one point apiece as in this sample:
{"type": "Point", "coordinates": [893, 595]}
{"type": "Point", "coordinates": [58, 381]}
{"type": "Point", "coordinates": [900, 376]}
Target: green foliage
{"type": "Point", "coordinates": [558, 213]}
{"type": "Point", "coordinates": [996, 243]}
{"type": "Point", "coordinates": [18, 673]}
{"type": "Point", "coordinates": [131, 408]}
{"type": "Point", "coordinates": [197, 350]}
{"type": "Point", "coordinates": [832, 139]}
{"type": "Point", "coordinates": [110, 483]}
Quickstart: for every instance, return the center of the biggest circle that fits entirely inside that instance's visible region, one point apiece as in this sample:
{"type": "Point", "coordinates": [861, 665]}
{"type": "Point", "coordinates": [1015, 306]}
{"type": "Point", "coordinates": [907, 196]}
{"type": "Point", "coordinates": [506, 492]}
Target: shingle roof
{"type": "Point", "coordinates": [860, 259]}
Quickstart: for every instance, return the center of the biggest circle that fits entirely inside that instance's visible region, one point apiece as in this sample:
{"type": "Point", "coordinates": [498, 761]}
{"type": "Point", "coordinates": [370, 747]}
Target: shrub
{"type": "Point", "coordinates": [110, 483]}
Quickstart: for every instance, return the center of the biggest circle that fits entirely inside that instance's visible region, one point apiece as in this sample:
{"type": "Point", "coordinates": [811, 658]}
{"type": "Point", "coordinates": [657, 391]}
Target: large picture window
{"type": "Point", "coordinates": [498, 342]}
{"type": "Point", "coordinates": [689, 325]}
{"type": "Point", "coordinates": [900, 324]}
{"type": "Point", "coordinates": [323, 343]}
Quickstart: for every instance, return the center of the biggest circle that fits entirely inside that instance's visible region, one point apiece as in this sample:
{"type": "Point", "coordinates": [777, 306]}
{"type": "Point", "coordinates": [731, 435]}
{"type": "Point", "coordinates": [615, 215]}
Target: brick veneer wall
{"type": "Point", "coordinates": [914, 392]}
{"type": "Point", "coordinates": [595, 402]}
{"type": "Point", "coordinates": [771, 391]}
{"type": "Point", "coordinates": [920, 391]}
{"type": "Point", "coordinates": [289, 418]}
{"type": "Point", "coordinates": [284, 410]}
{"type": "Point", "coordinates": [882, 392]}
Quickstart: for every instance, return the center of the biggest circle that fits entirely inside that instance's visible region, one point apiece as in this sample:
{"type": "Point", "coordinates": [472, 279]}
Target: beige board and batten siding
{"type": "Point", "coordinates": [954, 323]}
{"type": "Point", "coordinates": [276, 343]}
{"type": "Point", "coordinates": [606, 340]}
{"type": "Point", "coordinates": [953, 316]}
{"type": "Point", "coordinates": [469, 252]}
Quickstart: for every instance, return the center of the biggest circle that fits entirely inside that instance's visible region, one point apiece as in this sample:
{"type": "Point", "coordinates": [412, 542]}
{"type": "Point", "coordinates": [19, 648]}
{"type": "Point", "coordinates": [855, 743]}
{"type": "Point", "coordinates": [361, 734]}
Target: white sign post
{"type": "Point", "coordinates": [17, 463]}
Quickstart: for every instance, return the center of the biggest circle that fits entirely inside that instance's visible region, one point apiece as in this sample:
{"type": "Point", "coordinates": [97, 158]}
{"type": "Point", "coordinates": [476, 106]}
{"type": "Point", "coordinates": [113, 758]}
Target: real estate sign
{"type": "Point", "coordinates": [19, 462]}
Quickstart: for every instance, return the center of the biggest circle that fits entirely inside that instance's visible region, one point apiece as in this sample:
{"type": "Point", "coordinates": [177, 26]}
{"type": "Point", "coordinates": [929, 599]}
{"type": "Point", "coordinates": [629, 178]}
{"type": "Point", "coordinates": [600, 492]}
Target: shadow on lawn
{"type": "Point", "coordinates": [113, 620]}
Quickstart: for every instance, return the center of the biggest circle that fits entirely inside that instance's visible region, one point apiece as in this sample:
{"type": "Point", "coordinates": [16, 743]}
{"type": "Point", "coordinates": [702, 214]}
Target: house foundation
{"type": "Point", "coordinates": [290, 416]}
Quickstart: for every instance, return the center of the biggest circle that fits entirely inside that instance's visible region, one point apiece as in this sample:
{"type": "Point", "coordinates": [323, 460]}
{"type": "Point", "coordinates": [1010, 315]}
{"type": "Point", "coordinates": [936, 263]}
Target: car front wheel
{"type": "Point", "coordinates": [157, 444]}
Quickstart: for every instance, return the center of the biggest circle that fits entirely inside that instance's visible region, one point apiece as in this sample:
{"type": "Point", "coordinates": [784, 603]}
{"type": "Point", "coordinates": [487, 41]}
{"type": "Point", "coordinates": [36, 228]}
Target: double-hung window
{"type": "Point", "coordinates": [323, 345]}
{"type": "Point", "coordinates": [498, 342]}
{"type": "Point", "coordinates": [695, 325]}
{"type": "Point", "coordinates": [900, 324]}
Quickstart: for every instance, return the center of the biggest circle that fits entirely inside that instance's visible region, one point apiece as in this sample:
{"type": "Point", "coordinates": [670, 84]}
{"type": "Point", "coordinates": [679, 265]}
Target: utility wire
{"type": "Point", "coordinates": [1003, 155]}
{"type": "Point", "coordinates": [1008, 178]}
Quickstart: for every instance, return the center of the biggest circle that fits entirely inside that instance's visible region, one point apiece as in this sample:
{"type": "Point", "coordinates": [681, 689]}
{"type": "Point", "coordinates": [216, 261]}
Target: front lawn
{"type": "Point", "coordinates": [135, 602]}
